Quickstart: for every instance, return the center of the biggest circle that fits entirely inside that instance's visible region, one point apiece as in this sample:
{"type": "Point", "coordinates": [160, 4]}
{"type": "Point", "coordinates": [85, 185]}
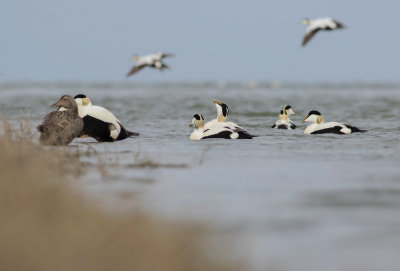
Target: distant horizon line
{"type": "Point", "coordinates": [199, 83]}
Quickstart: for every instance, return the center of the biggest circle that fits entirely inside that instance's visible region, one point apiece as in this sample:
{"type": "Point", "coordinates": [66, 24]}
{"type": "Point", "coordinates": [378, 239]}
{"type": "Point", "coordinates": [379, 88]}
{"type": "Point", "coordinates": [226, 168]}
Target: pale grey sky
{"type": "Point", "coordinates": [93, 40]}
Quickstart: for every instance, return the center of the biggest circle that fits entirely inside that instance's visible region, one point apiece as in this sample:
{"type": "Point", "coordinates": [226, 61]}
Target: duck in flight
{"type": "Point", "coordinates": [226, 130]}
{"type": "Point", "coordinates": [316, 25]}
{"type": "Point", "coordinates": [284, 121]}
{"type": "Point", "coordinates": [153, 61]}
{"type": "Point", "coordinates": [318, 126]}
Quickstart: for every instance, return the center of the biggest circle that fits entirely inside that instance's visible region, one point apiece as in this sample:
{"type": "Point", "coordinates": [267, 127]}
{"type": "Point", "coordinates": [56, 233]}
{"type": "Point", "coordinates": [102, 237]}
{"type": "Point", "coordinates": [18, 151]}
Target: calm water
{"type": "Point", "coordinates": [290, 201]}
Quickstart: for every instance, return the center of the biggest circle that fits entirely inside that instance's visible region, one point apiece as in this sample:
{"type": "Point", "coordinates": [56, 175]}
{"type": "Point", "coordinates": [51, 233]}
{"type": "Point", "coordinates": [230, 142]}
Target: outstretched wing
{"type": "Point", "coordinates": [309, 34]}
{"type": "Point", "coordinates": [135, 69]}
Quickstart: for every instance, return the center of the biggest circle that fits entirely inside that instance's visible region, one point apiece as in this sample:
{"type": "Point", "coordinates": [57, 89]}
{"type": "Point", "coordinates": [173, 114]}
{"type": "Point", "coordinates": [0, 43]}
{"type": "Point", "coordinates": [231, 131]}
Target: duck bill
{"type": "Point", "coordinates": [305, 118]}
{"type": "Point", "coordinates": [217, 102]}
{"type": "Point", "coordinates": [55, 104]}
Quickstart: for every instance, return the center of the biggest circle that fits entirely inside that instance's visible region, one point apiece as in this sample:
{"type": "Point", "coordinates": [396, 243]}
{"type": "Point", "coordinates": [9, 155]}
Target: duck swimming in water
{"type": "Point", "coordinates": [318, 125]}
{"type": "Point", "coordinates": [61, 127]}
{"type": "Point", "coordinates": [226, 130]}
{"type": "Point", "coordinates": [222, 114]}
{"type": "Point", "coordinates": [317, 25]}
{"type": "Point", "coordinates": [99, 122]}
{"type": "Point", "coordinates": [284, 121]}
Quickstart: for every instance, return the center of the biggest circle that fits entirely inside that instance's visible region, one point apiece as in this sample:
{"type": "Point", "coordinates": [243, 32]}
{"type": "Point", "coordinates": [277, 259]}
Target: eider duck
{"type": "Point", "coordinates": [284, 121]}
{"type": "Point", "coordinates": [153, 61]}
{"type": "Point", "coordinates": [318, 125]}
{"type": "Point", "coordinates": [319, 24]}
{"type": "Point", "coordinates": [99, 122]}
{"type": "Point", "coordinates": [222, 114]}
{"type": "Point", "coordinates": [226, 130]}
{"type": "Point", "coordinates": [61, 127]}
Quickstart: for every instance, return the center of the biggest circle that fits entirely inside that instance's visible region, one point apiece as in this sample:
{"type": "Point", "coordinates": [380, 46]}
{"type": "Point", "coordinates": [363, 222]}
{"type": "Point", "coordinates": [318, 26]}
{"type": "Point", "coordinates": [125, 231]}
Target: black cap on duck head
{"type": "Point", "coordinates": [197, 121]}
{"type": "Point", "coordinates": [80, 96]}
{"type": "Point", "coordinates": [198, 116]}
{"type": "Point", "coordinates": [222, 110]}
{"type": "Point", "coordinates": [314, 112]}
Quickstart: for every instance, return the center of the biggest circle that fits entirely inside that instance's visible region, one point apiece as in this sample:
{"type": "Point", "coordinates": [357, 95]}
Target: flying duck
{"type": "Point", "coordinates": [318, 125]}
{"type": "Point", "coordinates": [99, 122]}
{"type": "Point", "coordinates": [226, 130]}
{"type": "Point", "coordinates": [222, 114]}
{"type": "Point", "coordinates": [284, 122]}
{"type": "Point", "coordinates": [61, 127]}
{"type": "Point", "coordinates": [319, 24]}
{"type": "Point", "coordinates": [153, 61]}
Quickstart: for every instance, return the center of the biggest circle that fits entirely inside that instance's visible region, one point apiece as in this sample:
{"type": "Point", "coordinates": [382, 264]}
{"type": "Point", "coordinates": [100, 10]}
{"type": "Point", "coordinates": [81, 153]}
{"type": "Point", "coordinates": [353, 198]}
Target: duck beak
{"type": "Point", "coordinates": [305, 118]}
{"type": "Point", "coordinates": [55, 104]}
{"type": "Point", "coordinates": [217, 102]}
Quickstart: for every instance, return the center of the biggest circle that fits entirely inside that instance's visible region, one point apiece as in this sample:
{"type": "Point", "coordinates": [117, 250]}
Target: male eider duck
{"type": "Point", "coordinates": [99, 122]}
{"type": "Point", "coordinates": [61, 127]}
{"type": "Point", "coordinates": [318, 125]}
{"type": "Point", "coordinates": [153, 61]}
{"type": "Point", "coordinates": [226, 130]}
{"type": "Point", "coordinates": [319, 24]}
{"type": "Point", "coordinates": [284, 121]}
{"type": "Point", "coordinates": [222, 114]}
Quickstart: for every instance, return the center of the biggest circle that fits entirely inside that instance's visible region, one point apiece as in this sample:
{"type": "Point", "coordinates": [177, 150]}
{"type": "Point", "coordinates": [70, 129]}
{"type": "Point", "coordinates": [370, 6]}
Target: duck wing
{"type": "Point", "coordinates": [309, 34]}
{"type": "Point", "coordinates": [136, 68]}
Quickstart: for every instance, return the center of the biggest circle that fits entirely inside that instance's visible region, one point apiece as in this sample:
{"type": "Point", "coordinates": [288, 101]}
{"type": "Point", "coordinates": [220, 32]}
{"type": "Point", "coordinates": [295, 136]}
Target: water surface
{"type": "Point", "coordinates": [290, 201]}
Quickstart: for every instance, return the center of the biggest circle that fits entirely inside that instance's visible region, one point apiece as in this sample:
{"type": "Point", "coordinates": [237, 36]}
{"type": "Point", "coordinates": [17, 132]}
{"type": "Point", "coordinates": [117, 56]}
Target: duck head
{"type": "Point", "coordinates": [82, 100]}
{"type": "Point", "coordinates": [66, 102]}
{"type": "Point", "coordinates": [222, 110]}
{"type": "Point", "coordinates": [197, 121]}
{"type": "Point", "coordinates": [285, 112]}
{"type": "Point", "coordinates": [314, 116]}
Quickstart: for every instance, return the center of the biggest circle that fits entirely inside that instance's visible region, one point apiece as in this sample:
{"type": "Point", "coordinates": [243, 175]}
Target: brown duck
{"type": "Point", "coordinates": [61, 127]}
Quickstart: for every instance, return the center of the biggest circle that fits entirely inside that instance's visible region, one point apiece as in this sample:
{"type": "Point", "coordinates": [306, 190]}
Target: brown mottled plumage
{"type": "Point", "coordinates": [61, 127]}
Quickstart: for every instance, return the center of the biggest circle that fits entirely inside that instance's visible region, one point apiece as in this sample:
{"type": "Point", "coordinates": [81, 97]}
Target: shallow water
{"type": "Point", "coordinates": [291, 201]}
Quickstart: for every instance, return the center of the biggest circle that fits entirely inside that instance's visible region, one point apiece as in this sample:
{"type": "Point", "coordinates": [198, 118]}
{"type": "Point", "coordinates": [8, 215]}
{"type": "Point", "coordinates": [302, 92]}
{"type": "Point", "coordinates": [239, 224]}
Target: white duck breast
{"type": "Point", "coordinates": [318, 125]}
{"type": "Point", "coordinates": [284, 121]}
{"type": "Point", "coordinates": [99, 122]}
{"type": "Point", "coordinates": [316, 25]}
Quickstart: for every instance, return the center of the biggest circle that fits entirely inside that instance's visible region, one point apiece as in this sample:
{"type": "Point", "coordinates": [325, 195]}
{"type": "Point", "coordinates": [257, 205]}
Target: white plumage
{"type": "Point", "coordinates": [222, 114]}
{"type": "Point", "coordinates": [226, 130]}
{"type": "Point", "coordinates": [99, 122]}
{"type": "Point", "coordinates": [317, 25]}
{"type": "Point", "coordinates": [319, 126]}
{"type": "Point", "coordinates": [284, 121]}
{"type": "Point", "coordinates": [153, 60]}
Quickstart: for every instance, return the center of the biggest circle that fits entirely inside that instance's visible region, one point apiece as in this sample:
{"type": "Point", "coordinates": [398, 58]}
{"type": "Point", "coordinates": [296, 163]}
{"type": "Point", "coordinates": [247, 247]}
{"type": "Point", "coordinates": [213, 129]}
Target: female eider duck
{"type": "Point", "coordinates": [153, 61]}
{"type": "Point", "coordinates": [99, 122]}
{"type": "Point", "coordinates": [226, 130]}
{"type": "Point", "coordinates": [318, 125]}
{"type": "Point", "coordinates": [222, 114]}
{"type": "Point", "coordinates": [319, 24]}
{"type": "Point", "coordinates": [284, 121]}
{"type": "Point", "coordinates": [61, 127]}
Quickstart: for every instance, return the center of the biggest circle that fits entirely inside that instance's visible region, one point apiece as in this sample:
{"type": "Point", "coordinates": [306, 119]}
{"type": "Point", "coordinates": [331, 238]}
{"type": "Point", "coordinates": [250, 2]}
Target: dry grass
{"type": "Point", "coordinates": [46, 225]}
